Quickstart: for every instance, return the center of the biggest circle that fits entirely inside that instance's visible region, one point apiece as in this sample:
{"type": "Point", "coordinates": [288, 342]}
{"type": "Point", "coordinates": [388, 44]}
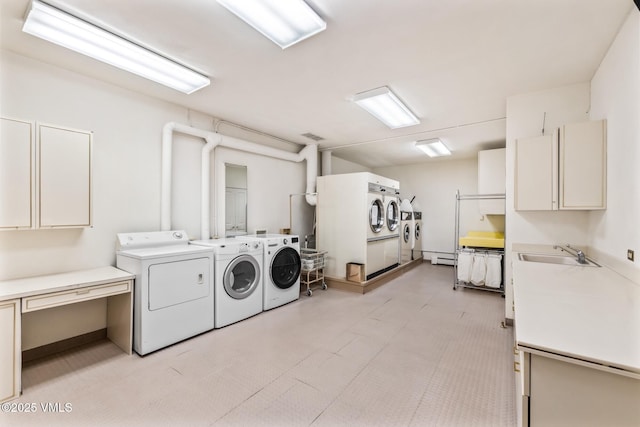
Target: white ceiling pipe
{"type": "Point", "coordinates": [205, 173]}
{"type": "Point", "coordinates": [308, 153]}
{"type": "Point", "coordinates": [167, 144]}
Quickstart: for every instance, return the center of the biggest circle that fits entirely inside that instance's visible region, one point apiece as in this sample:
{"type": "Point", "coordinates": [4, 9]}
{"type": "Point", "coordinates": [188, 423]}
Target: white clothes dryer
{"type": "Point", "coordinates": [282, 266]}
{"type": "Point", "coordinates": [173, 291]}
{"type": "Point", "coordinates": [238, 278]}
{"type": "Point", "coordinates": [383, 235]}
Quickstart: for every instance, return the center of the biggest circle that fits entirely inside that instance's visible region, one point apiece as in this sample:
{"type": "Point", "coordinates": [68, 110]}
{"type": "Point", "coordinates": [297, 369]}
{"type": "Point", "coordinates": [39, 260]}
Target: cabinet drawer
{"type": "Point", "coordinates": [40, 302]}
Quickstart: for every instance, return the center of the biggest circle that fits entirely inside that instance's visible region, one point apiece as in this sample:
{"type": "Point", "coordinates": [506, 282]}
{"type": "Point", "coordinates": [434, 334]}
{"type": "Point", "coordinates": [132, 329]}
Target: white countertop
{"type": "Point", "coordinates": [20, 288]}
{"type": "Point", "coordinates": [585, 313]}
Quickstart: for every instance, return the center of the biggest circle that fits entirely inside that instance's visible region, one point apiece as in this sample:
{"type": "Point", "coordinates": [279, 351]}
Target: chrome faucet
{"type": "Point", "coordinates": [582, 259]}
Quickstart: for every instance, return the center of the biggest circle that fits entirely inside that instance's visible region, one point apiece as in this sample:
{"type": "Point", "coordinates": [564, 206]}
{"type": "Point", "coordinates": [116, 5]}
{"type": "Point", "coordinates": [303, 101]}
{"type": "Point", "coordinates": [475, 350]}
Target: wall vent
{"type": "Point", "coordinates": [312, 136]}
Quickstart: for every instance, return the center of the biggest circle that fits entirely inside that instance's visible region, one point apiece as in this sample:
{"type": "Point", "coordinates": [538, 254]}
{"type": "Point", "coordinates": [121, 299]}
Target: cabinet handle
{"type": "Point", "coordinates": [82, 291]}
{"type": "Point", "coordinates": [515, 351]}
{"type": "Point", "coordinates": [516, 366]}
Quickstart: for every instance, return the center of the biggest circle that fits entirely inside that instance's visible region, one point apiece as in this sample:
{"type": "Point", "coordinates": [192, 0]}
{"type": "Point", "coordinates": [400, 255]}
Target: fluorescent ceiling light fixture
{"type": "Point", "coordinates": [66, 30]}
{"type": "Point", "coordinates": [386, 107]}
{"type": "Point", "coordinates": [284, 22]}
{"type": "Point", "coordinates": [433, 147]}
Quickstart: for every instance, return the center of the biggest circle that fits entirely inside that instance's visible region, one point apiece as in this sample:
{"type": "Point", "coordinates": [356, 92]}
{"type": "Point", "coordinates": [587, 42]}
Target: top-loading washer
{"type": "Point", "coordinates": [173, 291]}
{"type": "Point", "coordinates": [282, 266]}
{"type": "Point", "coordinates": [238, 278]}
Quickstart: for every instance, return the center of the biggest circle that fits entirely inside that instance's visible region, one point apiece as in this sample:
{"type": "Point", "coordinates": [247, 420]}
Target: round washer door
{"type": "Point", "coordinates": [285, 267]}
{"type": "Point", "coordinates": [376, 215]}
{"type": "Point", "coordinates": [417, 230]}
{"type": "Point", "coordinates": [242, 277]}
{"type": "Point", "coordinates": [406, 233]}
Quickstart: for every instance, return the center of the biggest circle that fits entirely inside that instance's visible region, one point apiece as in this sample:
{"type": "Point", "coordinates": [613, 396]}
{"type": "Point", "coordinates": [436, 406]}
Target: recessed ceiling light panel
{"type": "Point", "coordinates": [63, 29]}
{"type": "Point", "coordinates": [284, 22]}
{"type": "Point", "coordinates": [433, 147]}
{"type": "Point", "coordinates": [386, 107]}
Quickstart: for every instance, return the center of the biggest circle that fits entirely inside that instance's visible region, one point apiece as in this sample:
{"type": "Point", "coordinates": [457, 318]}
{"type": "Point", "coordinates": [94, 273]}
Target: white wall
{"type": "Point", "coordinates": [434, 185]}
{"type": "Point", "coordinates": [615, 96]}
{"type": "Point", "coordinates": [524, 119]}
{"type": "Point", "coordinates": [339, 166]}
{"type": "Point", "coordinates": [126, 172]}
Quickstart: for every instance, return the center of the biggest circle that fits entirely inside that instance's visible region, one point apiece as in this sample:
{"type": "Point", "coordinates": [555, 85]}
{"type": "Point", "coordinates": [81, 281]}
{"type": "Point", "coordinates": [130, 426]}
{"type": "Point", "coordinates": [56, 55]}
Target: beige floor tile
{"type": "Point", "coordinates": [412, 352]}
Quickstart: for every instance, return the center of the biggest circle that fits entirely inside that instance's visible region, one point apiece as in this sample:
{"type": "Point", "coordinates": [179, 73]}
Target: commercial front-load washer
{"type": "Point", "coordinates": [238, 278]}
{"type": "Point", "coordinates": [416, 253]}
{"type": "Point", "coordinates": [282, 266]}
{"type": "Point", "coordinates": [173, 291]}
{"type": "Point", "coordinates": [407, 236]}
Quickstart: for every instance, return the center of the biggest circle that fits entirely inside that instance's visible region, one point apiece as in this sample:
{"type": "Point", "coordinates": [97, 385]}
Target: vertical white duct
{"type": "Point", "coordinates": [309, 153]}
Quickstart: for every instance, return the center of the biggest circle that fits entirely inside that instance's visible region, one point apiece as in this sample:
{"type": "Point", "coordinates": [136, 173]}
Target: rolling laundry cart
{"type": "Point", "coordinates": [477, 265]}
{"type": "Point", "coordinates": [312, 269]}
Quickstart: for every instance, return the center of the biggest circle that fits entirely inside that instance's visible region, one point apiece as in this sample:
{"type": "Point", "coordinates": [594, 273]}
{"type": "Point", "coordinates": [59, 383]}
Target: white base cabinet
{"type": "Point", "coordinates": [10, 351]}
{"type": "Point", "coordinates": [555, 392]}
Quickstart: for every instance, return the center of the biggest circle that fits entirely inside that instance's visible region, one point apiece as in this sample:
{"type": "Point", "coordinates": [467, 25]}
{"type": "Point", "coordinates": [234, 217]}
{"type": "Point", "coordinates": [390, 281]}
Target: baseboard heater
{"type": "Point", "coordinates": [443, 259]}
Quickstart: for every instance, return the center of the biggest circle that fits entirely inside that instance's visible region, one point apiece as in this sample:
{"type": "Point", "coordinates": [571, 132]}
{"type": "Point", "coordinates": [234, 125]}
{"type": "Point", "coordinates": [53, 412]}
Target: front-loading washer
{"type": "Point", "coordinates": [407, 239]}
{"type": "Point", "coordinates": [282, 267]}
{"type": "Point", "coordinates": [416, 253]}
{"type": "Point", "coordinates": [173, 291]}
{"type": "Point", "coordinates": [238, 278]}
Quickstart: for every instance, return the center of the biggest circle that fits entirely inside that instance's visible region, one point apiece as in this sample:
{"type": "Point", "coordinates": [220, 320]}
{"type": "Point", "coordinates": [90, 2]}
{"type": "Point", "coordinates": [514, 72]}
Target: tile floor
{"type": "Point", "coordinates": [413, 352]}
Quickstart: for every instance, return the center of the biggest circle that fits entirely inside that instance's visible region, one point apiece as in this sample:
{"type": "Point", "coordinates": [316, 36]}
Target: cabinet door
{"type": "Point", "coordinates": [583, 165]}
{"type": "Point", "coordinates": [64, 177]}
{"type": "Point", "coordinates": [522, 371]}
{"type": "Point", "coordinates": [536, 174]}
{"type": "Point", "coordinates": [10, 350]}
{"type": "Point", "coordinates": [16, 174]}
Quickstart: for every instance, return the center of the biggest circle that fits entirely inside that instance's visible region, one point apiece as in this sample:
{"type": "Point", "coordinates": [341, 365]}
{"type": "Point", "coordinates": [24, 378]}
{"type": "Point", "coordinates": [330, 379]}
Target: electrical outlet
{"type": "Point", "coordinates": [630, 254]}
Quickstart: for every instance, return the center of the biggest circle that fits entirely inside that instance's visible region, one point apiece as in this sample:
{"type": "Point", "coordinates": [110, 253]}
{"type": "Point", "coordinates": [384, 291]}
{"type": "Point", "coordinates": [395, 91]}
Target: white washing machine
{"type": "Point", "coordinates": [407, 236]}
{"type": "Point", "coordinates": [416, 253]}
{"type": "Point", "coordinates": [281, 278]}
{"type": "Point", "coordinates": [238, 278]}
{"type": "Point", "coordinates": [173, 291]}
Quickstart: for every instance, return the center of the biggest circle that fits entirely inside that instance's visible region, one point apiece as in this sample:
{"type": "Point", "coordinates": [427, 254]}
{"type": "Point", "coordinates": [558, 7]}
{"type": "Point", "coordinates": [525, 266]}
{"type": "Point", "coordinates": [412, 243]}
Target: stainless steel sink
{"type": "Point", "coordinates": [555, 259]}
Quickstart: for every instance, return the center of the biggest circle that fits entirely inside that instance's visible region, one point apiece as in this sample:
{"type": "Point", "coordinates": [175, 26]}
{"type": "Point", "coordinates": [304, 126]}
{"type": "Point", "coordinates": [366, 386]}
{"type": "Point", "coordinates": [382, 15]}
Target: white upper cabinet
{"type": "Point", "coordinates": [491, 179]}
{"type": "Point", "coordinates": [583, 165]}
{"type": "Point", "coordinates": [65, 177]}
{"type": "Point", "coordinates": [45, 182]}
{"type": "Point", "coordinates": [563, 170]}
{"type": "Point", "coordinates": [536, 174]}
{"type": "Point", "coordinates": [16, 174]}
